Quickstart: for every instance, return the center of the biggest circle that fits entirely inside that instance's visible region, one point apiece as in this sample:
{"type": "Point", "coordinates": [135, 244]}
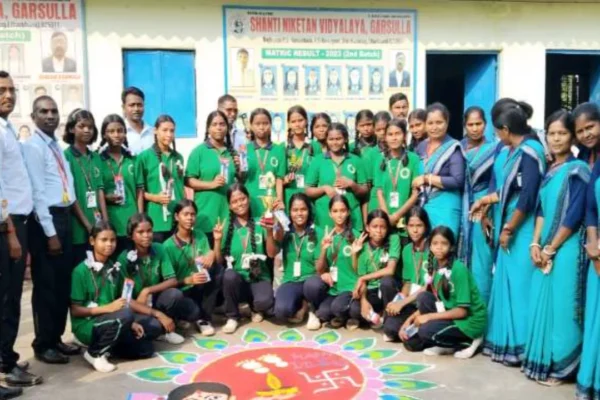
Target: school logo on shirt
{"type": "Point", "coordinates": [258, 238]}
{"type": "Point", "coordinates": [274, 162]}
{"type": "Point", "coordinates": [310, 247]}
{"type": "Point", "coordinates": [404, 173]}
{"type": "Point", "coordinates": [130, 169]}
{"type": "Point", "coordinates": [351, 169]}
{"type": "Point", "coordinates": [347, 251]}
{"type": "Point", "coordinates": [96, 172]}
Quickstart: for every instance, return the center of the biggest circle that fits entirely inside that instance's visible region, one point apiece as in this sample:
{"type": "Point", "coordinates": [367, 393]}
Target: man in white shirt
{"type": "Point", "coordinates": [242, 75]}
{"type": "Point", "coordinates": [140, 136]}
{"type": "Point", "coordinates": [227, 104]}
{"type": "Point", "coordinates": [58, 62]}
{"type": "Point", "coordinates": [50, 233]}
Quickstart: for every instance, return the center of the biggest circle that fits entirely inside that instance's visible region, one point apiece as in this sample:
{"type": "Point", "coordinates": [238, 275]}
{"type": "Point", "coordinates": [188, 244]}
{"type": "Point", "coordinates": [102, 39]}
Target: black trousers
{"type": "Point", "coordinates": [392, 324]}
{"type": "Point", "coordinates": [205, 296]}
{"type": "Point", "coordinates": [12, 273]}
{"type": "Point", "coordinates": [51, 277]}
{"type": "Point", "coordinates": [176, 305]}
{"type": "Point", "coordinates": [235, 290]}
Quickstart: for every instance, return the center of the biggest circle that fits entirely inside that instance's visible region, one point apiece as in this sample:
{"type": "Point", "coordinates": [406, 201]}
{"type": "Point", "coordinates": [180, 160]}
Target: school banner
{"type": "Point", "coordinates": [333, 60]}
{"type": "Point", "coordinates": [42, 47]}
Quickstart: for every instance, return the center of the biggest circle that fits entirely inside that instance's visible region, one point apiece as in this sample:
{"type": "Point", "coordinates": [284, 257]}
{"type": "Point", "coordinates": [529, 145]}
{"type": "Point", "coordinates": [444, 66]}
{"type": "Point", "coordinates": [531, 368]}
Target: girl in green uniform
{"type": "Point", "coordinates": [338, 172]}
{"type": "Point", "coordinates": [416, 126]}
{"type": "Point", "coordinates": [154, 281]}
{"type": "Point", "coordinates": [159, 171]}
{"type": "Point", "coordinates": [100, 317]}
{"type": "Point", "coordinates": [299, 153]}
{"type": "Point", "coordinates": [381, 121]}
{"type": "Point", "coordinates": [211, 169]}
{"type": "Point", "coordinates": [123, 197]}
{"type": "Point", "coordinates": [90, 205]}
{"type": "Point", "coordinates": [394, 172]}
{"type": "Point", "coordinates": [451, 317]}
{"type": "Point", "coordinates": [318, 133]}
{"type": "Point", "coordinates": [414, 276]}
{"type": "Point", "coordinates": [335, 267]}
{"type": "Point", "coordinates": [375, 262]}
{"type": "Point", "coordinates": [244, 245]}
{"type": "Point", "coordinates": [193, 260]}
{"type": "Point", "coordinates": [266, 164]}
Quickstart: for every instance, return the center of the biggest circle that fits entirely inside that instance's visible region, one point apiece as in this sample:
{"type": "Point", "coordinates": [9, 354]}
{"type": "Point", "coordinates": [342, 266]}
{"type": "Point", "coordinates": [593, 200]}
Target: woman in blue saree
{"type": "Point", "coordinates": [554, 336]}
{"type": "Point", "coordinates": [587, 131]}
{"type": "Point", "coordinates": [476, 248]}
{"type": "Point", "coordinates": [443, 178]}
{"type": "Point", "coordinates": [518, 171]}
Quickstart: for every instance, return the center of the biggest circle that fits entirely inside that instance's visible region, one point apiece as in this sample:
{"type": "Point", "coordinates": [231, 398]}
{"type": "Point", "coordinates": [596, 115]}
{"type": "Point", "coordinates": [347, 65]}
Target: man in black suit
{"type": "Point", "coordinates": [399, 77]}
{"type": "Point", "coordinates": [57, 62]}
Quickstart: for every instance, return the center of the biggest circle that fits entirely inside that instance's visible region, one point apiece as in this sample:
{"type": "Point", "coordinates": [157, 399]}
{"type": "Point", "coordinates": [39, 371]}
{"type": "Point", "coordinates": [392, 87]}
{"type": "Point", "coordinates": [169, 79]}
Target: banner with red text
{"type": "Point", "coordinates": [328, 60]}
{"type": "Point", "coordinates": [42, 47]}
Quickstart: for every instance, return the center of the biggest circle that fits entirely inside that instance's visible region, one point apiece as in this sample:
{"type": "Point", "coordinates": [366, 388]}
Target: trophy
{"type": "Point", "coordinates": [269, 199]}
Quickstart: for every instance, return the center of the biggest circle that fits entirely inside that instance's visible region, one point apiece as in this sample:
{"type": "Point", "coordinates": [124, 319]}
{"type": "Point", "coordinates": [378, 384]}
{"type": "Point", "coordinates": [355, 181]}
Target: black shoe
{"type": "Point", "coordinates": [52, 356]}
{"type": "Point", "coordinates": [68, 349]}
{"type": "Point", "coordinates": [24, 365]}
{"type": "Point", "coordinates": [20, 377]}
{"type": "Point", "coordinates": [9, 393]}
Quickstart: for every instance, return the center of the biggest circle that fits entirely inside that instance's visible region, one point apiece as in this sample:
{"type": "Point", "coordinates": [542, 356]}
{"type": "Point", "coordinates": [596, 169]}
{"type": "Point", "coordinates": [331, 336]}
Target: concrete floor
{"type": "Point", "coordinates": [477, 378]}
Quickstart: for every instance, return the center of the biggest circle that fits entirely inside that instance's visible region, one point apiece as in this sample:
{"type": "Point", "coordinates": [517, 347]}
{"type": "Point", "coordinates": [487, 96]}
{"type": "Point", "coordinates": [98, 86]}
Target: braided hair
{"type": "Point", "coordinates": [238, 187]}
{"type": "Point", "coordinates": [400, 124]}
{"type": "Point", "coordinates": [104, 143]}
{"type": "Point", "coordinates": [290, 136]}
{"type": "Point", "coordinates": [166, 173]}
{"type": "Point", "coordinates": [347, 234]}
{"type": "Point", "coordinates": [447, 234]}
{"type": "Point", "coordinates": [337, 126]}
{"type": "Point", "coordinates": [209, 120]}
{"type": "Point", "coordinates": [309, 229]}
{"type": "Point", "coordinates": [383, 215]}
{"type": "Point", "coordinates": [313, 122]}
{"type": "Point", "coordinates": [361, 115]}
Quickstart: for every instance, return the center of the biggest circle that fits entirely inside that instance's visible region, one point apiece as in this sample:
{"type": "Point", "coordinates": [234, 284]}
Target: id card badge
{"type": "Point", "coordinates": [297, 269]}
{"type": "Point", "coordinates": [262, 182]}
{"type": "Point", "coordinates": [519, 180]}
{"type": "Point", "coordinates": [394, 199]}
{"type": "Point", "coordinates": [92, 304]}
{"type": "Point", "coordinates": [245, 261]}
{"type": "Point", "coordinates": [97, 216]}
{"type": "Point", "coordinates": [439, 306]}
{"type": "Point", "coordinates": [149, 301]}
{"type": "Point", "coordinates": [90, 198]}
{"type": "Point", "coordinates": [333, 271]}
{"type": "Point", "coordinates": [120, 188]}
{"type": "Point", "coordinates": [225, 169]}
{"type": "Point", "coordinates": [300, 181]}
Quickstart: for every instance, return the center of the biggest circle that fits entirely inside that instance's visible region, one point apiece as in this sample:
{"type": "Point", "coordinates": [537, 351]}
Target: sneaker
{"type": "Point", "coordinates": [336, 323]}
{"type": "Point", "coordinates": [100, 364]}
{"type": "Point", "coordinates": [244, 310]}
{"type": "Point", "coordinates": [469, 351]}
{"type": "Point", "coordinates": [387, 339]}
{"type": "Point", "coordinates": [230, 326]}
{"type": "Point", "coordinates": [438, 351]}
{"type": "Point", "coordinates": [314, 323]}
{"type": "Point", "coordinates": [352, 324]}
{"type": "Point", "coordinates": [257, 317]}
{"type": "Point", "coordinates": [299, 317]}
{"type": "Point", "coordinates": [205, 328]}
{"type": "Point", "coordinates": [171, 338]}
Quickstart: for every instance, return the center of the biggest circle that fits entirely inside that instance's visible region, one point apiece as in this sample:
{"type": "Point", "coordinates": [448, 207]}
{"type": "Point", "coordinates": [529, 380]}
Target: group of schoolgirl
{"type": "Point", "coordinates": [355, 247]}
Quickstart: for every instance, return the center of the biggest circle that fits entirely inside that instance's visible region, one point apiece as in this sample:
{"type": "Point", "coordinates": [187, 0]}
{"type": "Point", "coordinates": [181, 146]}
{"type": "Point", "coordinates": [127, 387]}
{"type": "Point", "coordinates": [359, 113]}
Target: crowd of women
{"type": "Point", "coordinates": [446, 246]}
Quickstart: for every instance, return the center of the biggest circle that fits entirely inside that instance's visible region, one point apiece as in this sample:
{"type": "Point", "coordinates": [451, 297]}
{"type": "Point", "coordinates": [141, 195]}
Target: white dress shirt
{"type": "Point", "coordinates": [139, 142]}
{"type": "Point", "coordinates": [14, 179]}
{"type": "Point", "coordinates": [59, 65]}
{"type": "Point", "coordinates": [45, 177]}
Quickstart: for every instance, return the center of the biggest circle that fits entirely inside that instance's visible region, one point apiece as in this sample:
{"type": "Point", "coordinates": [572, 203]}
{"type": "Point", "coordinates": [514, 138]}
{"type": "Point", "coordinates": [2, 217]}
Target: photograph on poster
{"type": "Point", "coordinates": [13, 58]}
{"type": "Point", "coordinates": [72, 98]}
{"type": "Point", "coordinates": [399, 74]}
{"type": "Point", "coordinates": [242, 67]}
{"type": "Point", "coordinates": [312, 78]}
{"type": "Point", "coordinates": [375, 80]}
{"type": "Point", "coordinates": [58, 52]}
{"type": "Point", "coordinates": [350, 121]}
{"type": "Point", "coordinates": [334, 79]}
{"type": "Point", "coordinates": [290, 80]}
{"type": "Point", "coordinates": [355, 80]}
{"type": "Point", "coordinates": [268, 80]}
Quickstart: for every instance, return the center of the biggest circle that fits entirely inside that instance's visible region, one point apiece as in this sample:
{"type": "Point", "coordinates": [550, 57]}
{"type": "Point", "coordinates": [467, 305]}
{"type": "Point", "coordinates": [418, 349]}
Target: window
{"type": "Point", "coordinates": [168, 80]}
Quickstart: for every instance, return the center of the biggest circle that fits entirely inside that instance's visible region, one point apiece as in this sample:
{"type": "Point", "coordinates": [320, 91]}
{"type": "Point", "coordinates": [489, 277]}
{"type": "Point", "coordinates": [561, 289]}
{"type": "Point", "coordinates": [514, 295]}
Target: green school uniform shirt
{"type": "Point", "coordinates": [87, 178]}
{"type": "Point", "coordinates": [298, 162]}
{"type": "Point", "coordinates": [183, 255]}
{"type": "Point", "coordinates": [148, 176]}
{"type": "Point", "coordinates": [373, 259]}
{"type": "Point", "coordinates": [323, 172]}
{"type": "Point", "coordinates": [368, 154]}
{"type": "Point", "coordinates": [339, 254]}
{"type": "Point", "coordinates": [272, 159]}
{"type": "Point", "coordinates": [383, 180]}
{"type": "Point", "coordinates": [204, 163]}
{"type": "Point", "coordinates": [149, 271]}
{"type": "Point", "coordinates": [240, 244]}
{"type": "Point", "coordinates": [119, 214]}
{"type": "Point", "coordinates": [83, 292]}
{"type": "Point", "coordinates": [464, 293]}
{"type": "Point", "coordinates": [304, 249]}
{"type": "Point", "coordinates": [414, 265]}
{"type": "Point", "coordinates": [317, 148]}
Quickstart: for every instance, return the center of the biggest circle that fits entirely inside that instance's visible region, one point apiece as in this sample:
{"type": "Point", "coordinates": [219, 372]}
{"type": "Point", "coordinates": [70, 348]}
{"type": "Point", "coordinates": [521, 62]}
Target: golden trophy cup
{"type": "Point", "coordinates": [269, 199]}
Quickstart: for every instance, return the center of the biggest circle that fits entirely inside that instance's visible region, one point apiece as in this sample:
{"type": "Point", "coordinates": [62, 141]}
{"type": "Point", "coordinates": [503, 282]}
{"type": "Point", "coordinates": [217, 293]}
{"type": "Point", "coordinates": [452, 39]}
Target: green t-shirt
{"type": "Point", "coordinates": [89, 287]}
{"type": "Point", "coordinates": [298, 162]}
{"type": "Point", "coordinates": [373, 259]}
{"type": "Point", "coordinates": [261, 161]}
{"type": "Point", "coordinates": [119, 214]}
{"type": "Point", "coordinates": [150, 178]}
{"type": "Point", "coordinates": [395, 171]}
{"type": "Point", "coordinates": [204, 163]}
{"type": "Point", "coordinates": [339, 254]}
{"type": "Point", "coordinates": [317, 149]}
{"type": "Point", "coordinates": [183, 255]}
{"type": "Point", "coordinates": [241, 244]}
{"type": "Point", "coordinates": [323, 172]}
{"type": "Point", "coordinates": [149, 271]}
{"type": "Point", "coordinates": [414, 265]}
{"type": "Point", "coordinates": [304, 249]}
{"type": "Point", "coordinates": [464, 293]}
{"type": "Point", "coordinates": [87, 178]}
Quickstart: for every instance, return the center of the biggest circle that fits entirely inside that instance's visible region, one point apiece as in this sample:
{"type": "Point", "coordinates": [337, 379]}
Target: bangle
{"type": "Point", "coordinates": [429, 179]}
{"type": "Point", "coordinates": [535, 245]}
{"type": "Point", "coordinates": [507, 228]}
{"type": "Point", "coordinates": [548, 251]}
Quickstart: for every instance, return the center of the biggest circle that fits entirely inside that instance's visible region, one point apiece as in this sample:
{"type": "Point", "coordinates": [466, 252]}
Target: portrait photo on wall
{"type": "Point", "coordinates": [350, 122]}
{"type": "Point", "coordinates": [399, 69]}
{"type": "Point", "coordinates": [334, 80]}
{"type": "Point", "coordinates": [13, 58]}
{"type": "Point", "coordinates": [312, 80]}
{"type": "Point", "coordinates": [72, 98]}
{"type": "Point", "coordinates": [278, 129]}
{"type": "Point", "coordinates": [355, 80]}
{"type": "Point", "coordinates": [36, 90]}
{"type": "Point", "coordinates": [375, 80]}
{"type": "Point", "coordinates": [241, 67]}
{"type": "Point", "coordinates": [59, 53]}
{"type": "Point", "coordinates": [268, 80]}
{"type": "Point", "coordinates": [335, 116]}
{"type": "Point", "coordinates": [290, 80]}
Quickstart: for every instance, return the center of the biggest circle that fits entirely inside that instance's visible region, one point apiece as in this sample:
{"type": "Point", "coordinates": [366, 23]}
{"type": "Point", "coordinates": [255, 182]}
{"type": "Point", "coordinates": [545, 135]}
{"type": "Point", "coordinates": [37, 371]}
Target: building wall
{"type": "Point", "coordinates": [521, 32]}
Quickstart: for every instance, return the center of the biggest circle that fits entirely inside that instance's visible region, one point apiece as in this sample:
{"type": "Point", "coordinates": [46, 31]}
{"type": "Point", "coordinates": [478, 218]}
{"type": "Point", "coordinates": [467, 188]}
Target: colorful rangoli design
{"type": "Point", "coordinates": [291, 367]}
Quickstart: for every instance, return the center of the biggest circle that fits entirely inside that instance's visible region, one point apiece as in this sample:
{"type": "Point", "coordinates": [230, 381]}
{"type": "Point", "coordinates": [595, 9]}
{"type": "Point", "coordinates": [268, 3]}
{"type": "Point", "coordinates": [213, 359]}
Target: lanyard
{"type": "Point", "coordinates": [262, 163]}
{"type": "Point", "coordinates": [62, 171]}
{"type": "Point", "coordinates": [298, 247]}
{"type": "Point", "coordinates": [298, 165]}
{"type": "Point", "coordinates": [180, 243]}
{"type": "Point", "coordinates": [371, 255]}
{"type": "Point", "coordinates": [244, 241]}
{"type": "Point", "coordinates": [394, 177]}
{"type": "Point", "coordinates": [96, 287]}
{"type": "Point", "coordinates": [336, 252]}
{"type": "Point", "coordinates": [417, 265]}
{"type": "Point", "coordinates": [147, 261]}
{"type": "Point", "coordinates": [119, 166]}
{"type": "Point", "coordinates": [88, 178]}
